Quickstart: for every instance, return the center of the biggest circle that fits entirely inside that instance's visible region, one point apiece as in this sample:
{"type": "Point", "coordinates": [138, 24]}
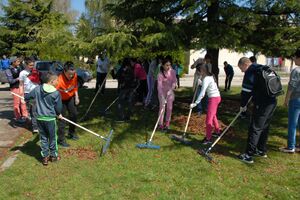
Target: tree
{"type": "Point", "coordinates": [34, 27]}
{"type": "Point", "coordinates": [210, 24]}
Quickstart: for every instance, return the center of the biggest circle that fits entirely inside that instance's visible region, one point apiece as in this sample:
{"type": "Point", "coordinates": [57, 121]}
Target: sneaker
{"type": "Point", "coordinates": [245, 158]}
{"type": "Point", "coordinates": [73, 137]}
{"type": "Point", "coordinates": [21, 120]}
{"type": "Point", "coordinates": [216, 135]}
{"type": "Point", "coordinates": [206, 141]}
{"type": "Point", "coordinates": [287, 150]}
{"type": "Point", "coordinates": [35, 131]}
{"type": "Point", "coordinates": [161, 127]}
{"type": "Point", "coordinates": [54, 158]}
{"type": "Point", "coordinates": [138, 104]}
{"type": "Point", "coordinates": [45, 160]}
{"type": "Point", "coordinates": [259, 153]}
{"type": "Point", "coordinates": [63, 144]}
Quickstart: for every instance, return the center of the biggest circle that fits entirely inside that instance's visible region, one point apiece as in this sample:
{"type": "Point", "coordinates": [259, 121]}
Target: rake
{"type": "Point", "coordinates": [205, 152]}
{"type": "Point", "coordinates": [106, 139]}
{"type": "Point", "coordinates": [148, 144]}
{"type": "Point", "coordinates": [183, 138]}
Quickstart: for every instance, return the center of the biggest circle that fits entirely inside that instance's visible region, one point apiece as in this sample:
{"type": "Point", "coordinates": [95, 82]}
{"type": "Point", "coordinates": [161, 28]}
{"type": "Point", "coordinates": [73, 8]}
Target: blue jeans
{"type": "Point", "coordinates": [294, 121]}
{"type": "Point", "coordinates": [203, 102]}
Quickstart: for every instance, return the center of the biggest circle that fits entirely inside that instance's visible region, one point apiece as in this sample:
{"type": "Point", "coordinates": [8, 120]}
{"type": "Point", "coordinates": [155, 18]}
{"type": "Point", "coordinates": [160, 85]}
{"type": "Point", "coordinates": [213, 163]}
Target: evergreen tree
{"type": "Point", "coordinates": [211, 24]}
{"type": "Point", "coordinates": [34, 27]}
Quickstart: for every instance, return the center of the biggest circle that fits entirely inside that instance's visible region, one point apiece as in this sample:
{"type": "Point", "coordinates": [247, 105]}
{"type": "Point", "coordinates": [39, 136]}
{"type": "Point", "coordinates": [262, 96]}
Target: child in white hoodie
{"type": "Point", "coordinates": [210, 87]}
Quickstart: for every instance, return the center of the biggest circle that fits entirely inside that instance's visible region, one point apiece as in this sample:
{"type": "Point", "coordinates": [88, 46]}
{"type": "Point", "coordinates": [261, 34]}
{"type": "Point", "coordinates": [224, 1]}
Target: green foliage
{"type": "Point", "coordinates": [33, 27]}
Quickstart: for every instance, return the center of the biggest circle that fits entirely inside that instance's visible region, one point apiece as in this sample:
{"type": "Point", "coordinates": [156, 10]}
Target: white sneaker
{"type": "Point", "coordinates": [287, 150]}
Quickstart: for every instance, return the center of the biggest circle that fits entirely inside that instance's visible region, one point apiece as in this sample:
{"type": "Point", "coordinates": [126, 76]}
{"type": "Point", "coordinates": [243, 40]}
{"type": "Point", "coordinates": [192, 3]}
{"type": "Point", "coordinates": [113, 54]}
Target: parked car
{"type": "Point", "coordinates": [57, 67]}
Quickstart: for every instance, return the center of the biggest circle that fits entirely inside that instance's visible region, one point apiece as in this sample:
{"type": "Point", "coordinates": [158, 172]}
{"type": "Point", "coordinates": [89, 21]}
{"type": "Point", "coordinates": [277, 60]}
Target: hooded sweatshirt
{"type": "Point", "coordinates": [48, 102]}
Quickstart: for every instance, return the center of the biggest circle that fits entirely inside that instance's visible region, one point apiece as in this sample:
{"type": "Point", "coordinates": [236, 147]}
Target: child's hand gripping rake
{"type": "Point", "coordinates": [107, 139]}
{"type": "Point", "coordinates": [183, 138]}
{"type": "Point", "coordinates": [148, 144]}
{"type": "Point", "coordinates": [205, 152]}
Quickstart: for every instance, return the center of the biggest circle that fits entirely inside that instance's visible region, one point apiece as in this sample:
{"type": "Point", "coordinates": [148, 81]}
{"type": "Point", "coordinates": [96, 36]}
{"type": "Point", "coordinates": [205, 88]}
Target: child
{"type": "Point", "coordinates": [210, 87]}
{"type": "Point", "coordinates": [49, 106]}
{"type": "Point", "coordinates": [29, 79]}
{"type": "Point", "coordinates": [127, 82]}
{"type": "Point", "coordinates": [12, 74]}
{"type": "Point", "coordinates": [166, 83]}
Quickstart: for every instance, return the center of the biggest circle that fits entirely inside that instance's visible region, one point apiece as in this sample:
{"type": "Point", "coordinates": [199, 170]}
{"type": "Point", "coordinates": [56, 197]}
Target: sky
{"type": "Point", "coordinates": [78, 5]}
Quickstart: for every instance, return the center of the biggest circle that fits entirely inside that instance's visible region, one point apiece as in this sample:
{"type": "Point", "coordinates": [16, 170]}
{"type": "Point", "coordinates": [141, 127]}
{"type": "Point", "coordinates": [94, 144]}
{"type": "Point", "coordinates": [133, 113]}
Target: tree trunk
{"type": "Point", "coordinates": [214, 62]}
{"type": "Point", "coordinates": [213, 20]}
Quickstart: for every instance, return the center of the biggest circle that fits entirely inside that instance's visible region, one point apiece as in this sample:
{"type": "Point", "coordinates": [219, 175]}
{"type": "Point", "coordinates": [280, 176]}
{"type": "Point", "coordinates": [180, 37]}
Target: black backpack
{"type": "Point", "coordinates": [268, 82]}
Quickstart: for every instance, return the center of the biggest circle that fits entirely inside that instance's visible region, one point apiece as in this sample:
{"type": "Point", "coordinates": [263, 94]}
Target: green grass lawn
{"type": "Point", "coordinates": [173, 172]}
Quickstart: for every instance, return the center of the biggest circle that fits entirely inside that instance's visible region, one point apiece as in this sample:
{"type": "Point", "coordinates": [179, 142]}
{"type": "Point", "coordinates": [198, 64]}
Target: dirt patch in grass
{"type": "Point", "coordinates": [81, 153]}
{"type": "Point", "coordinates": [196, 124]}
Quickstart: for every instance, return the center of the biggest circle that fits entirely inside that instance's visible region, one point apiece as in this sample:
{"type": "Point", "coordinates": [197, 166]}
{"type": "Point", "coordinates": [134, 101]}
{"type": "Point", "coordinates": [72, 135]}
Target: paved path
{"type": "Point", "coordinates": [186, 81]}
{"type": "Point", "coordinates": [9, 132]}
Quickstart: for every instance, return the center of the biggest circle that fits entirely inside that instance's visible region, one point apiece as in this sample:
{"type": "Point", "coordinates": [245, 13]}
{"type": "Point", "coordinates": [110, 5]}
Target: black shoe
{"type": "Point", "coordinates": [73, 137]}
{"type": "Point", "coordinates": [259, 153]}
{"type": "Point", "coordinates": [206, 141]}
{"type": "Point", "coordinates": [216, 135]}
{"type": "Point", "coordinates": [245, 158]}
{"type": "Point", "coordinates": [63, 144]}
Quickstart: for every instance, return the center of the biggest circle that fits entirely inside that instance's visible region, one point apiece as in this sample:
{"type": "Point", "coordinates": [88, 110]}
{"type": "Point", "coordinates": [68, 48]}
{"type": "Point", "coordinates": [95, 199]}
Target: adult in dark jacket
{"type": "Point", "coordinates": [263, 110]}
{"type": "Point", "coordinates": [229, 75]}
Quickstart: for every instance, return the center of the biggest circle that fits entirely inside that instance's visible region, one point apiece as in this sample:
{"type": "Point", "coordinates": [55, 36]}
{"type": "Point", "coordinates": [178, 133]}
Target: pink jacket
{"type": "Point", "coordinates": [166, 83]}
{"type": "Point", "coordinates": [139, 72]}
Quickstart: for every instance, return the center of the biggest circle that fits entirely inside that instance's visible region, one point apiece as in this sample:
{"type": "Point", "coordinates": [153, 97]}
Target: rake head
{"type": "Point", "coordinates": [181, 138]}
{"type": "Point", "coordinates": [147, 145]}
{"type": "Point", "coordinates": [205, 154]}
{"type": "Point", "coordinates": [107, 143]}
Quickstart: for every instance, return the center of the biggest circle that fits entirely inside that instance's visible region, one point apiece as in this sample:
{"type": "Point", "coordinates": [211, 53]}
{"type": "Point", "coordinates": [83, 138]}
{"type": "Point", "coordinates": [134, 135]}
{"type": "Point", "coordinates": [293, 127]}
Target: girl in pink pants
{"type": "Point", "coordinates": [210, 87]}
{"type": "Point", "coordinates": [166, 83]}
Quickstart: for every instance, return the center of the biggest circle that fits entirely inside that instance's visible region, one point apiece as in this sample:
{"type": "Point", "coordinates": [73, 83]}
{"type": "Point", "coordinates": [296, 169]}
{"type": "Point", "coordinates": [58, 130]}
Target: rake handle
{"type": "Point", "coordinates": [17, 95]}
{"type": "Point", "coordinates": [160, 114]}
{"type": "Point", "coordinates": [237, 115]}
{"type": "Point", "coordinates": [190, 113]}
{"type": "Point", "coordinates": [111, 104]}
{"type": "Point", "coordinates": [71, 122]}
{"type": "Point", "coordinates": [98, 91]}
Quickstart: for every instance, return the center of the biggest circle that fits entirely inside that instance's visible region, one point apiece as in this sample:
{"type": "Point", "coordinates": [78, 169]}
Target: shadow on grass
{"type": "Point", "coordinates": [142, 122]}
{"type": "Point", "coordinates": [30, 148]}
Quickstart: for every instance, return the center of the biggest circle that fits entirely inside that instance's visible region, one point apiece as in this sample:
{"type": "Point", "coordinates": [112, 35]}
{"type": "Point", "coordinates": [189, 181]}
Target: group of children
{"type": "Point", "coordinates": [41, 99]}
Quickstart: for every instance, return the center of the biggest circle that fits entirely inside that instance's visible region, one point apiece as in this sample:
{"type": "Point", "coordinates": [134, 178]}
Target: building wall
{"type": "Point", "coordinates": [232, 58]}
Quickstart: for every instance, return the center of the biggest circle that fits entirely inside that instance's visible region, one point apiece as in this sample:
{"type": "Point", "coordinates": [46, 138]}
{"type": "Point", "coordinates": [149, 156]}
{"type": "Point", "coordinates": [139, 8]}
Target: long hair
{"type": "Point", "coordinates": [164, 61]}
